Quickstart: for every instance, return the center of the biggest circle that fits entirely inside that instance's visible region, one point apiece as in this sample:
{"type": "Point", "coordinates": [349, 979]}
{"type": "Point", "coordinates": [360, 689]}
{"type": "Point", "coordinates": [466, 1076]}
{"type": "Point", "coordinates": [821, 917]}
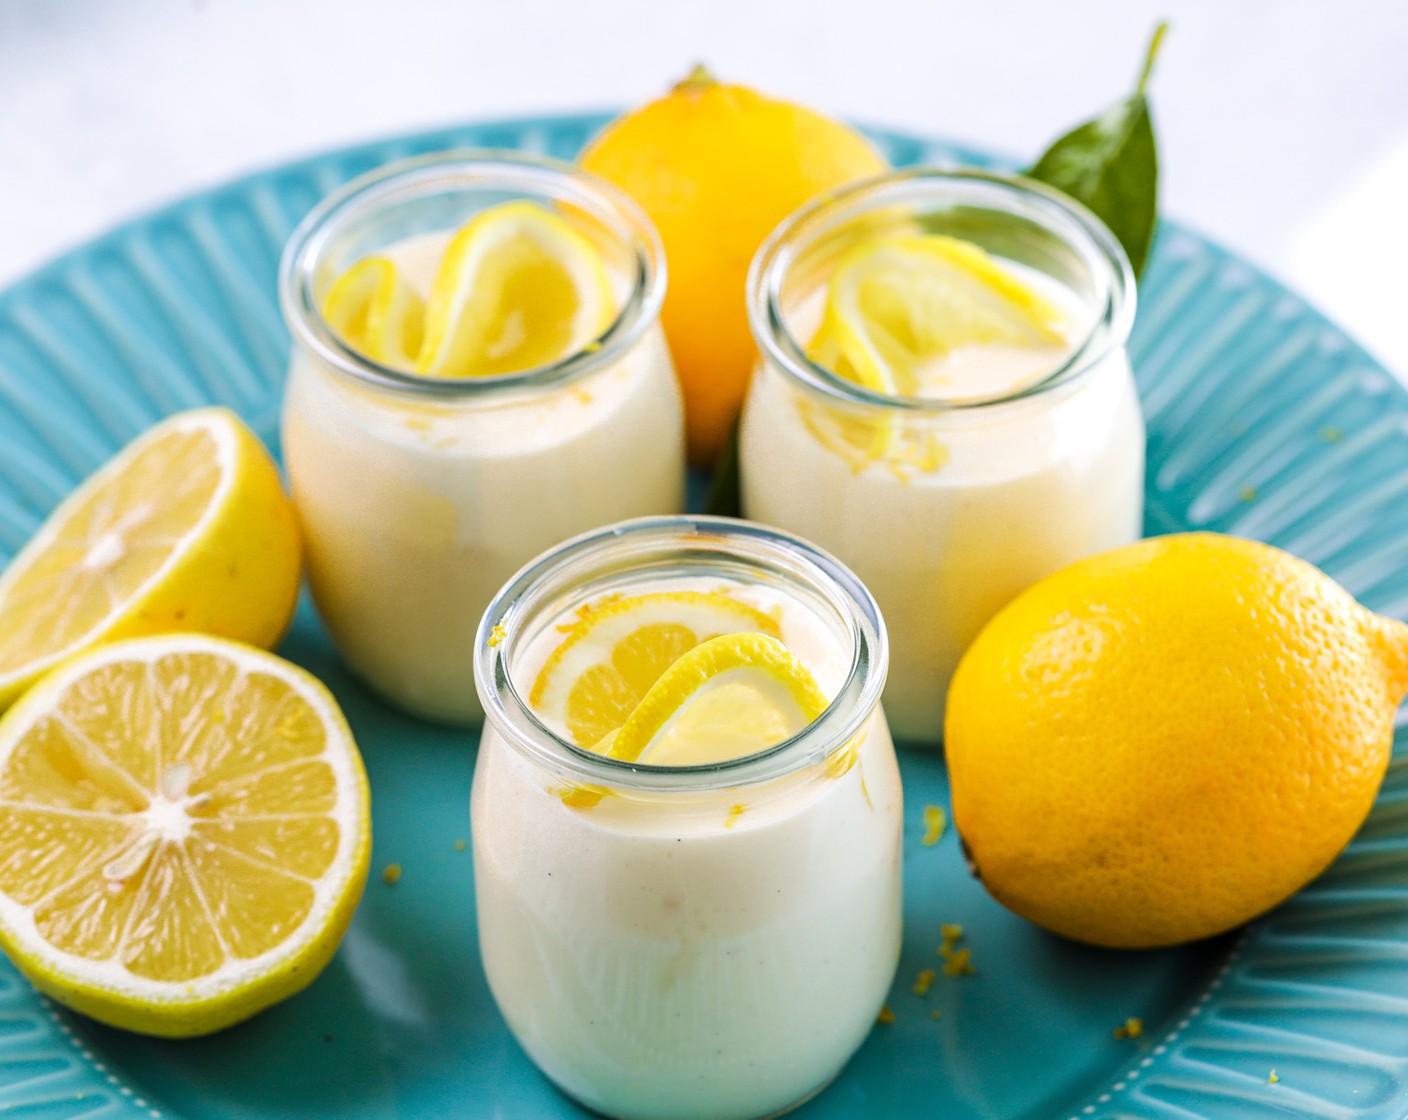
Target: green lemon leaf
{"type": "Point", "coordinates": [1111, 165]}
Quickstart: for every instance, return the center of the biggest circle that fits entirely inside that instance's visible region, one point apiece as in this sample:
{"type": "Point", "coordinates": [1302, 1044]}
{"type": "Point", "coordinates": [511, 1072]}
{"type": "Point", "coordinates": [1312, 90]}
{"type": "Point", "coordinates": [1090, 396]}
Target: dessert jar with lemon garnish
{"type": "Point", "coordinates": [686, 818]}
{"type": "Point", "coordinates": [478, 372]}
{"type": "Point", "coordinates": [944, 401]}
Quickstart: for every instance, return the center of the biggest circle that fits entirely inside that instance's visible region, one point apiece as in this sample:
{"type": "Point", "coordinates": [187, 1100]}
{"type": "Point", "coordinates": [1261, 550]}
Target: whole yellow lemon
{"type": "Point", "coordinates": [1161, 742]}
{"type": "Point", "coordinates": [717, 167]}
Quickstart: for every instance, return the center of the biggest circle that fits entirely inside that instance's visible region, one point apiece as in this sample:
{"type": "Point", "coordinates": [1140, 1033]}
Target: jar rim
{"type": "Point", "coordinates": [471, 169]}
{"type": "Point", "coordinates": [1016, 195]}
{"type": "Point", "coordinates": [610, 550]}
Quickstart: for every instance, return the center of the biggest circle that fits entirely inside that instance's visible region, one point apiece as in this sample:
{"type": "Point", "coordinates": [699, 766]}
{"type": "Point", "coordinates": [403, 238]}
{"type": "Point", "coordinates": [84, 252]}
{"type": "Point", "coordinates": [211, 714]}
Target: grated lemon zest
{"type": "Point", "coordinates": [935, 821]}
{"type": "Point", "coordinates": [1132, 1028]}
{"type": "Point", "coordinates": [582, 797]}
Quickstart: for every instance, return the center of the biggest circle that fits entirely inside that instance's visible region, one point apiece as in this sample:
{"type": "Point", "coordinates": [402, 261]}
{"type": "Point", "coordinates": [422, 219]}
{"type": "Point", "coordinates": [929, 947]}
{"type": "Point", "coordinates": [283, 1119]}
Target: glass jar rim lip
{"type": "Point", "coordinates": [1096, 244]}
{"type": "Point", "coordinates": [364, 193]}
{"type": "Point", "coordinates": [844, 717]}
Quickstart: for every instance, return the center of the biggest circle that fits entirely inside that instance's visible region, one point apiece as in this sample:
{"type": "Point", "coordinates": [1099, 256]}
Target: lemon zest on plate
{"type": "Point", "coordinates": [935, 821]}
{"type": "Point", "coordinates": [1131, 1028]}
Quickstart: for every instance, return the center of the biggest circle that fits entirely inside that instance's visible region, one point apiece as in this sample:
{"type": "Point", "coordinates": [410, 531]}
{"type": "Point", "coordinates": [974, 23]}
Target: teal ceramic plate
{"type": "Point", "coordinates": [1263, 420]}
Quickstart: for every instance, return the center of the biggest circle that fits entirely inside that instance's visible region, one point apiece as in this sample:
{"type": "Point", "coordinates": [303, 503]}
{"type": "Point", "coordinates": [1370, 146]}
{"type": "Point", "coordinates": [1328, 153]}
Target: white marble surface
{"type": "Point", "coordinates": [1284, 123]}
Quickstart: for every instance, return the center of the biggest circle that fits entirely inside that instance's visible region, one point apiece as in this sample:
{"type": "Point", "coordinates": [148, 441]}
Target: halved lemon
{"type": "Point", "coordinates": [894, 304]}
{"type": "Point", "coordinates": [187, 528]}
{"type": "Point", "coordinates": [617, 649]}
{"type": "Point", "coordinates": [728, 697]}
{"type": "Point", "coordinates": [518, 287]}
{"type": "Point", "coordinates": [374, 309]}
{"type": "Point", "coordinates": [184, 832]}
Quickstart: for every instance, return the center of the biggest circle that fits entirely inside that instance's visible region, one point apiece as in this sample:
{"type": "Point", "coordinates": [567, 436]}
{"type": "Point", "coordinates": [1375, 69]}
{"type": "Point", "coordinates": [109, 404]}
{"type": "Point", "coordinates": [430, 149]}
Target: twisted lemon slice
{"type": "Point", "coordinates": [618, 649]}
{"type": "Point", "coordinates": [894, 305]}
{"type": "Point", "coordinates": [376, 311]}
{"type": "Point", "coordinates": [184, 832]}
{"type": "Point", "coordinates": [728, 697]}
{"type": "Point", "coordinates": [517, 287]}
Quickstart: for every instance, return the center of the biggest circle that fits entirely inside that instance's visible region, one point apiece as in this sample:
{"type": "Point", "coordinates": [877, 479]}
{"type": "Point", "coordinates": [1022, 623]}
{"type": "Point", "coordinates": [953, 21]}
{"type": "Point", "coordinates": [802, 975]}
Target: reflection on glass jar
{"type": "Point", "coordinates": [710, 941]}
{"type": "Point", "coordinates": [949, 499]}
{"type": "Point", "coordinates": [420, 495]}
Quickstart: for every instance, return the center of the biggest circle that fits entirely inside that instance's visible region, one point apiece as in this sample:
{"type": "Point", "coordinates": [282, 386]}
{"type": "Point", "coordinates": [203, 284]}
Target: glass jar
{"type": "Point", "coordinates": [946, 509]}
{"type": "Point", "coordinates": [708, 942]}
{"type": "Point", "coordinates": [420, 496]}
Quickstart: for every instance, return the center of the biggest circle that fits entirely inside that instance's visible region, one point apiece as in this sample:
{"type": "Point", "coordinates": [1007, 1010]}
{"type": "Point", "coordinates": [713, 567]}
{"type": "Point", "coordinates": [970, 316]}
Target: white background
{"type": "Point", "coordinates": [1283, 123]}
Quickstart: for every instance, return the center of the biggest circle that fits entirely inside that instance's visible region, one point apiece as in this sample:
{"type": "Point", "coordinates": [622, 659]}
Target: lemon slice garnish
{"type": "Point", "coordinates": [517, 288]}
{"type": "Point", "coordinates": [373, 309]}
{"type": "Point", "coordinates": [187, 528]}
{"type": "Point", "coordinates": [895, 305]}
{"type": "Point", "coordinates": [728, 697]}
{"type": "Point", "coordinates": [184, 832]}
{"type": "Point", "coordinates": [616, 651]}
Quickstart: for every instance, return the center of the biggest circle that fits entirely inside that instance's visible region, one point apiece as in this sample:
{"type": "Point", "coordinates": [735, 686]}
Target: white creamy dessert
{"type": "Point", "coordinates": [700, 948]}
{"type": "Point", "coordinates": [415, 514]}
{"type": "Point", "coordinates": [984, 478]}
{"type": "Point", "coordinates": [420, 496]}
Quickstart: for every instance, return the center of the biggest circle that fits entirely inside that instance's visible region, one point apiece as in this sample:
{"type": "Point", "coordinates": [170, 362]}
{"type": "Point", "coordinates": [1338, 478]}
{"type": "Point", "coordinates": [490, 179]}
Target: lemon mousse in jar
{"type": "Point", "coordinates": [944, 402]}
{"type": "Point", "coordinates": [478, 372]}
{"type": "Point", "coordinates": [686, 818]}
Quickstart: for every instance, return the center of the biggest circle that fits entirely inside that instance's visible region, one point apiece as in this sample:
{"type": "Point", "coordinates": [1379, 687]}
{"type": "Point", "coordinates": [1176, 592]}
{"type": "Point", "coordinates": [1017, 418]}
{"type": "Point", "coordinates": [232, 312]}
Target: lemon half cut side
{"type": "Point", "coordinates": [184, 832]}
{"type": "Point", "coordinates": [187, 528]}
